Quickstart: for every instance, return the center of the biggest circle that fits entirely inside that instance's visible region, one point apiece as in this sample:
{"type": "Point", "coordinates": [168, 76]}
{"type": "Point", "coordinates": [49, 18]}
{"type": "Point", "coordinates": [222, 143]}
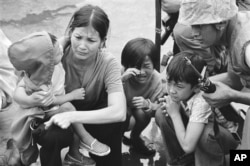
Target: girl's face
{"type": "Point", "coordinates": [146, 71]}
{"type": "Point", "coordinates": [180, 91]}
{"type": "Point", "coordinates": [207, 35]}
{"type": "Point", "coordinates": [85, 42]}
{"type": "Point", "coordinates": [58, 53]}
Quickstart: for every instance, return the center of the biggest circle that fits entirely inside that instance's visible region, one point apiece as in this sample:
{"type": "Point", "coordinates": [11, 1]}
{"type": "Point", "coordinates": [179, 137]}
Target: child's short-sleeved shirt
{"type": "Point", "coordinates": [198, 109]}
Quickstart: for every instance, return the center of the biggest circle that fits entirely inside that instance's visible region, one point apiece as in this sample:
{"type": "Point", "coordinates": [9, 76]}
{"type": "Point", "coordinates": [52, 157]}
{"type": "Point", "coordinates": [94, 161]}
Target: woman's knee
{"type": "Point", "coordinates": [56, 136]}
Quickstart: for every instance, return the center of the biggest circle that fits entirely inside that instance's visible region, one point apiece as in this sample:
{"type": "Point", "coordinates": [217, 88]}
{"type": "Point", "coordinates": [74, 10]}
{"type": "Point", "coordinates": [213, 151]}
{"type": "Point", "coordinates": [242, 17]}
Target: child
{"type": "Point", "coordinates": [186, 119]}
{"type": "Point", "coordinates": [142, 86]}
{"type": "Point", "coordinates": [40, 94]}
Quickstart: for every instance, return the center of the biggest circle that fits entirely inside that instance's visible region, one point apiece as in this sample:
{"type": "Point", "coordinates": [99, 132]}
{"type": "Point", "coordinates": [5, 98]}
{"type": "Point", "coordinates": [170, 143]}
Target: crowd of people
{"type": "Point", "coordinates": [72, 92]}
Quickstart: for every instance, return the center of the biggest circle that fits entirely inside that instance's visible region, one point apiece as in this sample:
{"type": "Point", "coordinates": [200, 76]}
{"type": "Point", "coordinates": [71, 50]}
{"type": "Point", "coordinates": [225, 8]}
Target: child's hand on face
{"type": "Point", "coordinates": [140, 102]}
{"type": "Point", "coordinates": [164, 104]}
{"type": "Point", "coordinates": [78, 94]}
{"type": "Point", "coordinates": [129, 73]}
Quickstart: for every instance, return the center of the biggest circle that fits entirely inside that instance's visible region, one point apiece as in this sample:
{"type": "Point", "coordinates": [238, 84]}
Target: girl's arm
{"type": "Point", "coordinates": [115, 112]}
{"type": "Point", "coordinates": [40, 98]}
{"type": "Point", "coordinates": [77, 94]}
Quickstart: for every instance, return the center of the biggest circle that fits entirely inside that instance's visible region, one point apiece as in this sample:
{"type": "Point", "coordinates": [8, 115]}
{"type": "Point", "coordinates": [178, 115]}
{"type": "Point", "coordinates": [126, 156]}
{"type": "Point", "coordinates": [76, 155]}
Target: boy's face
{"type": "Point", "coordinates": [58, 53]}
{"type": "Point", "coordinates": [180, 91]}
{"type": "Point", "coordinates": [146, 71]}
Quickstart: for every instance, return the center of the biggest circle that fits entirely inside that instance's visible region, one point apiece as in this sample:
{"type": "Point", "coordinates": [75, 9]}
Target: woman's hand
{"type": "Point", "coordinates": [62, 120]}
{"type": "Point", "coordinates": [129, 73]}
{"type": "Point", "coordinates": [140, 102]}
{"type": "Point", "coordinates": [78, 94]}
{"type": "Point", "coordinates": [221, 97]}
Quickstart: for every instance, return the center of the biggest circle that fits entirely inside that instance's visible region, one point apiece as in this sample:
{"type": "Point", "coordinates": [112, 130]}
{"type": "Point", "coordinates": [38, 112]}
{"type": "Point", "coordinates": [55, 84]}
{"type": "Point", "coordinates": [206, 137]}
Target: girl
{"type": "Point", "coordinates": [142, 86]}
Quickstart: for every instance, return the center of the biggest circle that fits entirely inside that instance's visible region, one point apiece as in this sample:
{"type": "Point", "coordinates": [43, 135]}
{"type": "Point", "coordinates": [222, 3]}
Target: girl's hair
{"type": "Point", "coordinates": [179, 71]}
{"type": "Point", "coordinates": [90, 15]}
{"type": "Point", "coordinates": [135, 51]}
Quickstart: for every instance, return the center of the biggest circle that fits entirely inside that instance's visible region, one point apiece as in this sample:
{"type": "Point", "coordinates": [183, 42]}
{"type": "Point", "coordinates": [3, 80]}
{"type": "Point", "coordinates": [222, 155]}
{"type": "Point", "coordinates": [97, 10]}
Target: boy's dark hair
{"type": "Point", "coordinates": [135, 51]}
{"type": "Point", "coordinates": [179, 71]}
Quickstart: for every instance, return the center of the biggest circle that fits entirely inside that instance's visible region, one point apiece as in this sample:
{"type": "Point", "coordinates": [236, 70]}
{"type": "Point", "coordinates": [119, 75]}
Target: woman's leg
{"type": "Point", "coordinates": [52, 141]}
{"type": "Point", "coordinates": [111, 135]}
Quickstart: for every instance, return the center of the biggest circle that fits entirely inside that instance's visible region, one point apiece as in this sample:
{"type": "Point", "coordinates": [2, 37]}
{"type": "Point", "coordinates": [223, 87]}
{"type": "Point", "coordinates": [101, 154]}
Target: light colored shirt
{"type": "Point", "coordinates": [198, 109]}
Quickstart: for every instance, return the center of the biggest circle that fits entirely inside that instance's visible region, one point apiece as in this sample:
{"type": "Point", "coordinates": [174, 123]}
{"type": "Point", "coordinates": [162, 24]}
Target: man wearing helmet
{"type": "Point", "coordinates": [216, 22]}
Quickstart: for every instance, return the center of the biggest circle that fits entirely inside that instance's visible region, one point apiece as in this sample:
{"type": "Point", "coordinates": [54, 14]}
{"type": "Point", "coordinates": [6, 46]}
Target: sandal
{"type": "Point", "coordinates": [96, 148]}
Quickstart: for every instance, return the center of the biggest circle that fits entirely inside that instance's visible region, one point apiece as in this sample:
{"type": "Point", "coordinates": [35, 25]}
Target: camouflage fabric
{"type": "Point", "coordinates": [197, 12]}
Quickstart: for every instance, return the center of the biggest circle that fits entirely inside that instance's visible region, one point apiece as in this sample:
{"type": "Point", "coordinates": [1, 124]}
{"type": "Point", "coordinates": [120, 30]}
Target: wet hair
{"type": "Point", "coordinates": [135, 52]}
{"type": "Point", "coordinates": [90, 15]}
{"type": "Point", "coordinates": [179, 71]}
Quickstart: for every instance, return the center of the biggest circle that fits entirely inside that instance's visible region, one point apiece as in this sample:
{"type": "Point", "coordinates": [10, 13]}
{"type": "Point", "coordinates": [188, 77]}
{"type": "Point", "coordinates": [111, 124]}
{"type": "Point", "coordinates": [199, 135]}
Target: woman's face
{"type": "Point", "coordinates": [85, 42]}
{"type": "Point", "coordinates": [146, 71]}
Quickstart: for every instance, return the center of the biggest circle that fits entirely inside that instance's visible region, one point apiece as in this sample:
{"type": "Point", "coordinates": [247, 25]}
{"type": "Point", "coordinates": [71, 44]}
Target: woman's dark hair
{"type": "Point", "coordinates": [179, 70]}
{"type": "Point", "coordinates": [135, 51]}
{"type": "Point", "coordinates": [90, 15]}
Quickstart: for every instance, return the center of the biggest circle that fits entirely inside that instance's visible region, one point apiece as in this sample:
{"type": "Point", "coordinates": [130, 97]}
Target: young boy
{"type": "Point", "coordinates": [185, 118]}
{"type": "Point", "coordinates": [40, 93]}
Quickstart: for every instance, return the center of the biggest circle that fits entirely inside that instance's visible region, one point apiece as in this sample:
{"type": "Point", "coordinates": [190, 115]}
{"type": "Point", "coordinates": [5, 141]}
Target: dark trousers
{"type": "Point", "coordinates": [110, 134]}
{"type": "Point", "coordinates": [52, 141]}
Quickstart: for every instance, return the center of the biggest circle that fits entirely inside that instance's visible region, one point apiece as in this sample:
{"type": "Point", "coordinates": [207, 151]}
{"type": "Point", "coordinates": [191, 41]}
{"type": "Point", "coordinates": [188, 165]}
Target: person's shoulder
{"type": "Point", "coordinates": [107, 55]}
{"type": "Point", "coordinates": [197, 97]}
{"type": "Point", "coordinates": [108, 58]}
